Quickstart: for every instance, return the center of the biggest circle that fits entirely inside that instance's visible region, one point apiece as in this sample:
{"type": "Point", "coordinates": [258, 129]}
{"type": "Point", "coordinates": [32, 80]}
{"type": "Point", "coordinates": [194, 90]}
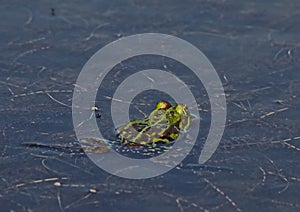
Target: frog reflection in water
{"type": "Point", "coordinates": [163, 125]}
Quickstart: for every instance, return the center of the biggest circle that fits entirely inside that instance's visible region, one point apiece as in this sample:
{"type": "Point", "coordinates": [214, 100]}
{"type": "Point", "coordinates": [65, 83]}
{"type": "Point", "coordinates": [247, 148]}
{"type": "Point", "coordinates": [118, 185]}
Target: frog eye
{"type": "Point", "coordinates": [162, 105]}
{"type": "Point", "coordinates": [178, 108]}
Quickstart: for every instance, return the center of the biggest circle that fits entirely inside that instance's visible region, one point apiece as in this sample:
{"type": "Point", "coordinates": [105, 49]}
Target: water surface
{"type": "Point", "coordinates": [253, 45]}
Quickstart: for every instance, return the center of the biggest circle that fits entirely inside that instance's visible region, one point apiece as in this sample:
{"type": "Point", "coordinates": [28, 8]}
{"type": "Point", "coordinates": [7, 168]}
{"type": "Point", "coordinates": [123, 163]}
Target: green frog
{"type": "Point", "coordinates": [164, 124]}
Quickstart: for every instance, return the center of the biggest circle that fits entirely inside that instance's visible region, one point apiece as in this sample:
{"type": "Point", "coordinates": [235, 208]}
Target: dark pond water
{"type": "Point", "coordinates": [253, 45]}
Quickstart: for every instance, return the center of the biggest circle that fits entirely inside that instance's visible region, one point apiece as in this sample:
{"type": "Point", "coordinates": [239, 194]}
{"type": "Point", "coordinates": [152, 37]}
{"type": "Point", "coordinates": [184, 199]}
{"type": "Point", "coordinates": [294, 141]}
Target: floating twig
{"type": "Point", "coordinates": [273, 112]}
{"type": "Point", "coordinates": [92, 34]}
{"type": "Point", "coordinates": [222, 194]}
{"type": "Point", "coordinates": [30, 52]}
{"type": "Point", "coordinates": [43, 92]}
{"type": "Point", "coordinates": [39, 181]}
{"type": "Point", "coordinates": [59, 102]}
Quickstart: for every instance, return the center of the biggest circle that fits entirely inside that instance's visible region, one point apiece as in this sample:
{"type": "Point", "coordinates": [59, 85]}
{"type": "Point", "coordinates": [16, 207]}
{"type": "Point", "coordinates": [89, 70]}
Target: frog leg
{"type": "Point", "coordinates": [157, 140]}
{"type": "Point", "coordinates": [174, 136]}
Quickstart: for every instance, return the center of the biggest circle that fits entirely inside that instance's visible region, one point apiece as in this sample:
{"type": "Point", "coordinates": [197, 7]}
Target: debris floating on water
{"type": "Point", "coordinates": [57, 184]}
{"type": "Point", "coordinates": [93, 191]}
{"type": "Point", "coordinates": [94, 108]}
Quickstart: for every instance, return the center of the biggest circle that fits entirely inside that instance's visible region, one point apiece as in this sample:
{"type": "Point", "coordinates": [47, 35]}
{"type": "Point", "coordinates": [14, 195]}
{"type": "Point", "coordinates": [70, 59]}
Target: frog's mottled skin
{"type": "Point", "coordinates": [164, 124]}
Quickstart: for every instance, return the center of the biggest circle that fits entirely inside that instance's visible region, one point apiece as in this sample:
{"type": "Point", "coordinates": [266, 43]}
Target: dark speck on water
{"type": "Point", "coordinates": [255, 49]}
{"type": "Point", "coordinates": [52, 11]}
